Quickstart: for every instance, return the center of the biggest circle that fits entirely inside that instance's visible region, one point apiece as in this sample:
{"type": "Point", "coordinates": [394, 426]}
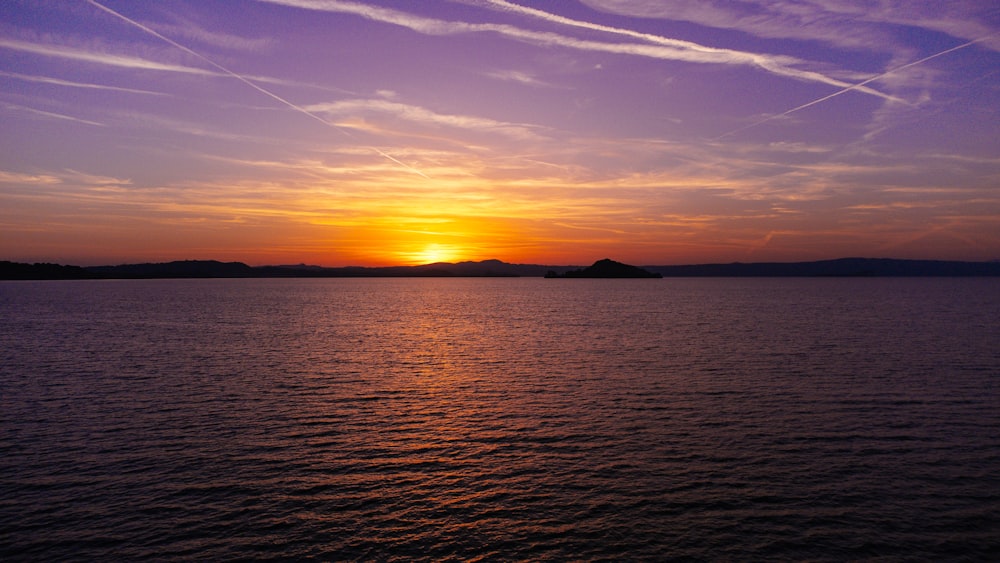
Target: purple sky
{"type": "Point", "coordinates": [389, 132]}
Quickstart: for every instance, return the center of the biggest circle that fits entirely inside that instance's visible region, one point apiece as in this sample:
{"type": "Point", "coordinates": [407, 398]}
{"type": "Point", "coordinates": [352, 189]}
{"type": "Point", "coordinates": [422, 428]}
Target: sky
{"type": "Point", "coordinates": [388, 132]}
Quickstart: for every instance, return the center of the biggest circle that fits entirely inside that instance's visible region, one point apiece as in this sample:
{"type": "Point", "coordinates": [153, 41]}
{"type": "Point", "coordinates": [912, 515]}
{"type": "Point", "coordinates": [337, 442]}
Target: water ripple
{"type": "Point", "coordinates": [514, 419]}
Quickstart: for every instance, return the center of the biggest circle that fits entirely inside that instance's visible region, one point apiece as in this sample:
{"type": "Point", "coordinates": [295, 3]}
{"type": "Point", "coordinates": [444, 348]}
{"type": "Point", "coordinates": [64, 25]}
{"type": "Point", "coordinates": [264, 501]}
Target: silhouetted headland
{"type": "Point", "coordinates": [606, 268]}
{"type": "Point", "coordinates": [844, 267]}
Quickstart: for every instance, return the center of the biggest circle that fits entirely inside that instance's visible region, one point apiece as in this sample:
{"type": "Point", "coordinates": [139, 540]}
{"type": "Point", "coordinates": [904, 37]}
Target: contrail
{"type": "Point", "coordinates": [765, 62]}
{"type": "Point", "coordinates": [244, 80]}
{"type": "Point", "coordinates": [853, 87]}
{"type": "Point", "coordinates": [661, 48]}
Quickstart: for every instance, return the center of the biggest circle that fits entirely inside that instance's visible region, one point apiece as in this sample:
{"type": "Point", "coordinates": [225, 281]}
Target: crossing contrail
{"type": "Point", "coordinates": [853, 87]}
{"type": "Point", "coordinates": [696, 52]}
{"type": "Point", "coordinates": [249, 83]}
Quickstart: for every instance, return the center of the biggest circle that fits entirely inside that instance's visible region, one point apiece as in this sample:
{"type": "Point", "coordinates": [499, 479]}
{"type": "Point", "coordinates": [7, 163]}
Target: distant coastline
{"type": "Point", "coordinates": [844, 267]}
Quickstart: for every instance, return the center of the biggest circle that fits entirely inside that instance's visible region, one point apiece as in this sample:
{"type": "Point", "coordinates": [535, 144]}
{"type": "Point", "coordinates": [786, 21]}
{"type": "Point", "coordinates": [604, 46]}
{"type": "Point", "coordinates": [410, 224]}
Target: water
{"type": "Point", "coordinates": [500, 419]}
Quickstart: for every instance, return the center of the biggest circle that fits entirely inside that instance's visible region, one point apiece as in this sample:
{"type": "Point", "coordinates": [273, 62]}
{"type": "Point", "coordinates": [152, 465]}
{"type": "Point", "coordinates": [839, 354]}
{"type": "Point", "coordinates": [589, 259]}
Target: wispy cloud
{"type": "Point", "coordinates": [131, 62]}
{"type": "Point", "coordinates": [519, 77]}
{"type": "Point", "coordinates": [776, 64]}
{"type": "Point", "coordinates": [244, 79]}
{"type": "Point", "coordinates": [653, 46]}
{"type": "Point", "coordinates": [67, 177]}
{"type": "Point", "coordinates": [52, 115]}
{"type": "Point", "coordinates": [788, 147]}
{"type": "Point", "coordinates": [86, 179]}
{"type": "Point", "coordinates": [194, 32]}
{"type": "Point", "coordinates": [417, 114]}
{"type": "Point", "coordinates": [109, 59]}
{"type": "Point", "coordinates": [72, 84]}
{"type": "Point", "coordinates": [854, 87]}
{"type": "Point", "coordinates": [843, 23]}
{"type": "Point", "coordinates": [161, 123]}
{"type": "Point", "coordinates": [27, 179]}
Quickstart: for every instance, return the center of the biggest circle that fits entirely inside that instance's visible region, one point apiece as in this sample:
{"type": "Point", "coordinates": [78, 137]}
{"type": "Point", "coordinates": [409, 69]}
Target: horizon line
{"type": "Point", "coordinates": [473, 261]}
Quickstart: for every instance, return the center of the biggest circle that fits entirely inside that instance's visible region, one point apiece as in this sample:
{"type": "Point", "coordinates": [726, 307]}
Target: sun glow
{"type": "Point", "coordinates": [407, 239]}
{"type": "Point", "coordinates": [433, 253]}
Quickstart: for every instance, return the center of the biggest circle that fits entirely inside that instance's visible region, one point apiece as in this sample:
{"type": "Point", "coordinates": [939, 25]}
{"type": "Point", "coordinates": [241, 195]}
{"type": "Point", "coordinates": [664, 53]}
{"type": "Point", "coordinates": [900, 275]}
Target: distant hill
{"type": "Point", "coordinates": [485, 268]}
{"type": "Point", "coordinates": [42, 271]}
{"type": "Point", "coordinates": [845, 267]}
{"type": "Point", "coordinates": [179, 269]}
{"type": "Point", "coordinates": [606, 268]}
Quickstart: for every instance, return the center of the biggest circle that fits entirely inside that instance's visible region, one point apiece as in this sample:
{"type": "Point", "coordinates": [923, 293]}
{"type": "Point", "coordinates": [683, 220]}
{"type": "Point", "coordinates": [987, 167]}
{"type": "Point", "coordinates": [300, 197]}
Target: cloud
{"type": "Point", "coordinates": [62, 179]}
{"type": "Point", "coordinates": [129, 62]}
{"type": "Point", "coordinates": [28, 179]}
{"type": "Point", "coordinates": [789, 147]}
{"type": "Point", "coordinates": [844, 23]}
{"type": "Point", "coordinates": [52, 115]}
{"type": "Point", "coordinates": [83, 178]}
{"type": "Point", "coordinates": [194, 32]}
{"type": "Point", "coordinates": [519, 77]}
{"type": "Point", "coordinates": [248, 80]}
{"type": "Point", "coordinates": [880, 118]}
{"type": "Point", "coordinates": [71, 84]}
{"type": "Point", "coordinates": [775, 64]}
{"type": "Point", "coordinates": [876, 26]}
{"type": "Point", "coordinates": [653, 46]}
{"type": "Point", "coordinates": [108, 59]}
{"type": "Point", "coordinates": [420, 115]}
{"type": "Point", "coordinates": [161, 123]}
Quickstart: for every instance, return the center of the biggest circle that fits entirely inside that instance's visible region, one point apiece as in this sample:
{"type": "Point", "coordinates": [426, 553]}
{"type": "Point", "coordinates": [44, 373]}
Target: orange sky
{"type": "Point", "coordinates": [363, 134]}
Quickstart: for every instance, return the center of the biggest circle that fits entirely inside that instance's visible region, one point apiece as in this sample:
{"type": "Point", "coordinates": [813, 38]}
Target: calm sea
{"type": "Point", "coordinates": [500, 419]}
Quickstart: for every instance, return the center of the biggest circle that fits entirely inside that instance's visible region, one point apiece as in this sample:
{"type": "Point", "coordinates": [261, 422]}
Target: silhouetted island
{"type": "Point", "coordinates": [606, 268]}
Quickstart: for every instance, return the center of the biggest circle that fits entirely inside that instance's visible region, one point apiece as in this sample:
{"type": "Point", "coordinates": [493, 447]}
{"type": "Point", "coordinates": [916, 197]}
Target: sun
{"type": "Point", "coordinates": [433, 253]}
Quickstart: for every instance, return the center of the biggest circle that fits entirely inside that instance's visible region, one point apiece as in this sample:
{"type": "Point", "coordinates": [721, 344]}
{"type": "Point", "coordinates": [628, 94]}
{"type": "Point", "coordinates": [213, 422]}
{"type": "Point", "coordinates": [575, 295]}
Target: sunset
{"type": "Point", "coordinates": [381, 133]}
{"type": "Point", "coordinates": [499, 280]}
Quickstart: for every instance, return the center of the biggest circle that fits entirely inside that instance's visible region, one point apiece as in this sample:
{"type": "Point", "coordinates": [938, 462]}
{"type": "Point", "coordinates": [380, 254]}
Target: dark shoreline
{"type": "Point", "coordinates": [844, 267]}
